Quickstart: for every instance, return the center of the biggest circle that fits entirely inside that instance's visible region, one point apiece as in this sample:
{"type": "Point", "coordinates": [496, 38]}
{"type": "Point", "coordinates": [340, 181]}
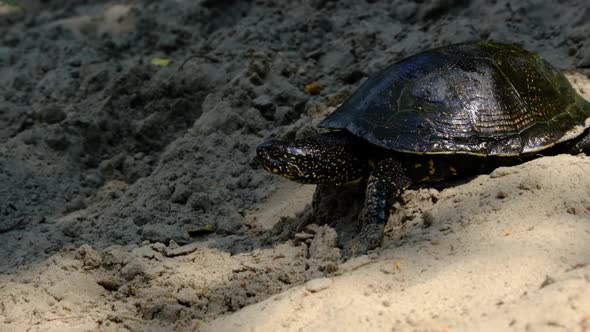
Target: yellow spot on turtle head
{"type": "Point", "coordinates": [417, 165]}
{"type": "Point", "coordinates": [274, 170]}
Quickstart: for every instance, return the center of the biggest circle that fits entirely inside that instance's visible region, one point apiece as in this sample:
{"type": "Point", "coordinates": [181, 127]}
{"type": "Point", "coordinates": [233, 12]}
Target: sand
{"type": "Point", "coordinates": [506, 251]}
{"type": "Point", "coordinates": [130, 200]}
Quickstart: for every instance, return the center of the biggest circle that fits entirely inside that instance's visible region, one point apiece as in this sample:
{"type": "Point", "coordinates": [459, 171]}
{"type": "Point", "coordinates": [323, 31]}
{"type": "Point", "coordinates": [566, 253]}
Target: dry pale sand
{"type": "Point", "coordinates": [507, 251]}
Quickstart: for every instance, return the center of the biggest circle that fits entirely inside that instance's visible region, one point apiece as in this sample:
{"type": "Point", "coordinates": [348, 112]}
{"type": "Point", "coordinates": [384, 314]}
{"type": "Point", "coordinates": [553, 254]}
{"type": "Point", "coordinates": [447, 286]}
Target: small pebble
{"type": "Point", "coordinates": [319, 284]}
{"type": "Point", "coordinates": [263, 103]}
{"type": "Point", "coordinates": [303, 236]}
{"type": "Point", "coordinates": [89, 256]}
{"type": "Point", "coordinates": [132, 269]}
{"type": "Point", "coordinates": [53, 114]}
{"type": "Point", "coordinates": [548, 281]}
{"type": "Point", "coordinates": [77, 203]}
{"type": "Point", "coordinates": [500, 172]}
{"type": "Point", "coordinates": [388, 268]}
{"type": "Point", "coordinates": [110, 283]}
{"type": "Point", "coordinates": [183, 250]}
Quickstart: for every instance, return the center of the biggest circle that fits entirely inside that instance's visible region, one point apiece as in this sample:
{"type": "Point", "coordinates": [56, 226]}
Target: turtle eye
{"type": "Point", "coordinates": [271, 155]}
{"type": "Point", "coordinates": [268, 150]}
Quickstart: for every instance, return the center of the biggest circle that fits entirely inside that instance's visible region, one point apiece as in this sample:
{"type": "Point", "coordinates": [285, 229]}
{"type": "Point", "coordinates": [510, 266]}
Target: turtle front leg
{"type": "Point", "coordinates": [386, 183]}
{"type": "Point", "coordinates": [583, 145]}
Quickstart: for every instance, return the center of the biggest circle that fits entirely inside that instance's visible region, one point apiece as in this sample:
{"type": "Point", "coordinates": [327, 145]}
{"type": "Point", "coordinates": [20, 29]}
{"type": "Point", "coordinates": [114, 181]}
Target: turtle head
{"type": "Point", "coordinates": [329, 158]}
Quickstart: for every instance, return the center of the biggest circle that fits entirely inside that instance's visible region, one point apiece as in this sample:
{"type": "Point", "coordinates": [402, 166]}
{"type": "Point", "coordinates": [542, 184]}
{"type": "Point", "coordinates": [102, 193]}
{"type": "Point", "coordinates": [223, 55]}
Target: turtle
{"type": "Point", "coordinates": [449, 112]}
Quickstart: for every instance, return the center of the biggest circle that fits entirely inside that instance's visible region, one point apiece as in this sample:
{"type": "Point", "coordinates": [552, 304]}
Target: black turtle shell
{"type": "Point", "coordinates": [477, 98]}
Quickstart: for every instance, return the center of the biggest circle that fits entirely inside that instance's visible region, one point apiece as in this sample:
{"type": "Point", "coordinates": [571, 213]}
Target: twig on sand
{"type": "Point", "coordinates": [60, 318]}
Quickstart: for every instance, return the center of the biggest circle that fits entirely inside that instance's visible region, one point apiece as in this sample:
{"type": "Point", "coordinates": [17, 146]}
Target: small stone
{"type": "Point", "coordinates": [501, 195]}
{"type": "Point", "coordinates": [89, 256]}
{"type": "Point", "coordinates": [183, 250]}
{"type": "Point", "coordinates": [319, 284]}
{"type": "Point", "coordinates": [159, 247]}
{"type": "Point", "coordinates": [181, 194]}
{"type": "Point", "coordinates": [579, 33]}
{"type": "Point", "coordinates": [173, 245]}
{"type": "Point", "coordinates": [265, 105]}
{"type": "Point", "coordinates": [77, 203]}
{"type": "Point", "coordinates": [427, 219]}
{"type": "Point", "coordinates": [412, 319]}
{"type": "Point", "coordinates": [168, 42]}
{"type": "Point", "coordinates": [548, 281]}
{"type": "Point", "coordinates": [501, 172]}
{"type": "Point", "coordinates": [106, 167]}
{"type": "Point", "coordinates": [406, 10]}
{"type": "Point", "coordinates": [187, 296]}
{"type": "Point", "coordinates": [140, 219]}
{"type": "Point", "coordinates": [52, 114]}
{"type": "Point", "coordinates": [57, 139]}
{"type": "Point", "coordinates": [312, 228]}
{"type": "Point", "coordinates": [115, 255]}
{"type": "Point", "coordinates": [323, 245]}
{"type": "Point", "coordinates": [352, 75]}
{"type": "Point", "coordinates": [199, 201]}
{"type": "Point", "coordinates": [71, 228]}
{"type": "Point", "coordinates": [388, 268]}
{"type": "Point", "coordinates": [133, 269]}
{"type": "Point", "coordinates": [386, 303]}
{"type": "Point", "coordinates": [303, 236]}
{"type": "Point", "coordinates": [94, 180]}
{"type": "Point", "coordinates": [373, 256]}
{"type": "Point", "coordinates": [110, 283]}
{"type": "Point", "coordinates": [146, 251]}
{"type": "Point", "coordinates": [529, 184]}
{"type": "Point", "coordinates": [163, 233]}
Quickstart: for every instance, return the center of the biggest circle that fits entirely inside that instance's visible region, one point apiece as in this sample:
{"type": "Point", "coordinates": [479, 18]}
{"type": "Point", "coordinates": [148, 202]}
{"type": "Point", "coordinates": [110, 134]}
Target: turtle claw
{"type": "Point", "coordinates": [369, 239]}
{"type": "Point", "coordinates": [355, 248]}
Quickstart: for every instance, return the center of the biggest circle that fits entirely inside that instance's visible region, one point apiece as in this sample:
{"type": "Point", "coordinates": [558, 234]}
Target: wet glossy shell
{"type": "Point", "coordinates": [475, 98]}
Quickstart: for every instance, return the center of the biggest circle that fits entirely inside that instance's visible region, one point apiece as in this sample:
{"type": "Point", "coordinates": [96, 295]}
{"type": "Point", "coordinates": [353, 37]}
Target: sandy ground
{"type": "Point", "coordinates": [506, 251]}
{"type": "Point", "coordinates": [129, 199]}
